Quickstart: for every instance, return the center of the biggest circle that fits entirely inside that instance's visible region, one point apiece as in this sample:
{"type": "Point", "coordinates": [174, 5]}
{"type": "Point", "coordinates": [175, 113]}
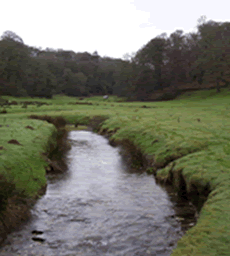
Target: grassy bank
{"type": "Point", "coordinates": [185, 141]}
{"type": "Point", "coordinates": [23, 143]}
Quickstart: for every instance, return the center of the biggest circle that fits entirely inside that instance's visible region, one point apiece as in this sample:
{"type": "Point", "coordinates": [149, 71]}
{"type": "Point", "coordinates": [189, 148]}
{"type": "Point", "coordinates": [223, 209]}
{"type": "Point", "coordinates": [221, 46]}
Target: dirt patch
{"type": "Point", "coordinates": [84, 103]}
{"type": "Point", "coordinates": [38, 103]}
{"type": "Point", "coordinates": [24, 103]}
{"type": "Point", "coordinates": [3, 111]}
{"type": "Point", "coordinates": [15, 142]}
{"type": "Point", "coordinates": [29, 127]}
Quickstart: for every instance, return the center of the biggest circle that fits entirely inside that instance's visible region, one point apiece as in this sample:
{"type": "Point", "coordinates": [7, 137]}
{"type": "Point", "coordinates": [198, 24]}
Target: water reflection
{"type": "Point", "coordinates": [98, 208]}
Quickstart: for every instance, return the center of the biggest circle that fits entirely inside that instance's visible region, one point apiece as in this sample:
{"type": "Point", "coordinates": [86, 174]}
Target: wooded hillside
{"type": "Point", "coordinates": [160, 70]}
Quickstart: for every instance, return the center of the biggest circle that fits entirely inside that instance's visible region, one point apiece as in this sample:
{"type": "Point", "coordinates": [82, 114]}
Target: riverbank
{"type": "Point", "coordinates": [186, 143]}
{"type": "Point", "coordinates": [28, 149]}
{"type": "Point", "coordinates": [198, 173]}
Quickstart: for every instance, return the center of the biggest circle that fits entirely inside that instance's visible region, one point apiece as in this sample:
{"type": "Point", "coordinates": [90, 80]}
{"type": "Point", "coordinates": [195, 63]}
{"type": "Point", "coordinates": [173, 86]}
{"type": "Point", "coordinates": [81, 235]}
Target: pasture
{"type": "Point", "coordinates": [184, 139]}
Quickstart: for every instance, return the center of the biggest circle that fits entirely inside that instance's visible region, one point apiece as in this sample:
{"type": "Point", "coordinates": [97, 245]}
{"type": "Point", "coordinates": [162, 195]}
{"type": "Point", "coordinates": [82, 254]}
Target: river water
{"type": "Point", "coordinates": [98, 207]}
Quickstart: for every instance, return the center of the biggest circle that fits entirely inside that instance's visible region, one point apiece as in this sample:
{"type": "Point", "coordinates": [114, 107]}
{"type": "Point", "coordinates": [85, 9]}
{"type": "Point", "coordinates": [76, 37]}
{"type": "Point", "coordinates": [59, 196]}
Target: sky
{"type": "Point", "coordinates": [113, 28]}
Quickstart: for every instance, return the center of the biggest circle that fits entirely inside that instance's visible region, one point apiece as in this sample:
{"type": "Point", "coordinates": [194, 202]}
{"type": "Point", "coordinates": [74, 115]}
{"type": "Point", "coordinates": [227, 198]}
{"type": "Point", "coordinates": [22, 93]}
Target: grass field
{"type": "Point", "coordinates": [188, 137]}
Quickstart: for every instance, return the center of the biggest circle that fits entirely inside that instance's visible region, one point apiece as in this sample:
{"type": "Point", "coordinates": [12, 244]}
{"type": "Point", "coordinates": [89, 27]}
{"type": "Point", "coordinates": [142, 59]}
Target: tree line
{"type": "Point", "coordinates": [163, 64]}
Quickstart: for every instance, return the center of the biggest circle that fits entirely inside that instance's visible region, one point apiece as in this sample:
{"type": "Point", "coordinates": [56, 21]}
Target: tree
{"type": "Point", "coordinates": [214, 52]}
{"type": "Point", "coordinates": [144, 84]}
{"type": "Point", "coordinates": [11, 36]}
{"type": "Point", "coordinates": [153, 55]}
{"type": "Point", "coordinates": [125, 76]}
{"type": "Point", "coordinates": [74, 83]}
{"type": "Point", "coordinates": [39, 82]}
{"type": "Point", "coordinates": [176, 58]}
{"type": "Point", "coordinates": [14, 61]}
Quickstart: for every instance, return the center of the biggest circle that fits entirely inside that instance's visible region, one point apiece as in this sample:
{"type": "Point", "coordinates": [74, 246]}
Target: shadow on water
{"type": "Point", "coordinates": [101, 207]}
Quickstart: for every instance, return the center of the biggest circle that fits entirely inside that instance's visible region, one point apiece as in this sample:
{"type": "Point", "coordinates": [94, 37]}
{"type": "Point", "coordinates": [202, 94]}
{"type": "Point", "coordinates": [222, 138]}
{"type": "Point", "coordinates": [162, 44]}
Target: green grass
{"type": "Point", "coordinates": [191, 132]}
{"type": "Point", "coordinates": [23, 163]}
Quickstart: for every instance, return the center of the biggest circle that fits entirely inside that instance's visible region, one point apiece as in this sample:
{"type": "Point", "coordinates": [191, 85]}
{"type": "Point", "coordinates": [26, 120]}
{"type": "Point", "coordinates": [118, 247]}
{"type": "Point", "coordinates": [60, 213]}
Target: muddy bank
{"type": "Point", "coordinates": [197, 194]}
{"type": "Point", "coordinates": [15, 210]}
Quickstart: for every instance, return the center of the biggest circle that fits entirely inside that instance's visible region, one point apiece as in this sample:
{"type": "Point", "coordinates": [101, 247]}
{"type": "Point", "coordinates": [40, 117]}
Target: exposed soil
{"type": "Point", "coordinates": [16, 210]}
{"type": "Point", "coordinates": [15, 142]}
{"type": "Point", "coordinates": [29, 127]}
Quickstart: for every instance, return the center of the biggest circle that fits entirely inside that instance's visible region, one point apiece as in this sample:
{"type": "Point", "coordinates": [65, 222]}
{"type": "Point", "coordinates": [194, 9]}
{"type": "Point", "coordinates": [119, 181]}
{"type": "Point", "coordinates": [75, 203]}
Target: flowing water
{"type": "Point", "coordinates": [98, 207]}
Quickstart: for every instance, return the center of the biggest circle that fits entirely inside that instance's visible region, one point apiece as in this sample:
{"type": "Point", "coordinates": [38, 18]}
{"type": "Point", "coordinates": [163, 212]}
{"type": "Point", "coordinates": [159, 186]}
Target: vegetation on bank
{"type": "Point", "coordinates": [22, 142]}
{"type": "Point", "coordinates": [22, 167]}
{"type": "Point", "coordinates": [186, 142]}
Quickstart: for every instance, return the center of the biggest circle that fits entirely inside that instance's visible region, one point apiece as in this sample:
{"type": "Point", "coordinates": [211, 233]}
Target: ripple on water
{"type": "Point", "coordinates": [98, 208]}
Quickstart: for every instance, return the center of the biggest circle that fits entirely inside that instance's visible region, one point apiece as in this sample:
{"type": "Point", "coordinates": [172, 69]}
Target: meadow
{"type": "Point", "coordinates": [186, 143]}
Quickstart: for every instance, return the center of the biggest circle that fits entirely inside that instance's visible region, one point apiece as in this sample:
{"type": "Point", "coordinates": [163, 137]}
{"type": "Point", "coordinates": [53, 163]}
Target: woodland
{"type": "Point", "coordinates": [163, 68]}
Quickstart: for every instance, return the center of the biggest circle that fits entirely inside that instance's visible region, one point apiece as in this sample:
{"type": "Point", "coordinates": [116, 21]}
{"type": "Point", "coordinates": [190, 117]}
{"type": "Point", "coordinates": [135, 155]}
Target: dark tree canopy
{"type": "Point", "coordinates": [163, 65]}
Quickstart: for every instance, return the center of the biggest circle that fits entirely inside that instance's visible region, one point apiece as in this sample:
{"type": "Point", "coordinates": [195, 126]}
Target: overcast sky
{"type": "Point", "coordinates": [110, 27]}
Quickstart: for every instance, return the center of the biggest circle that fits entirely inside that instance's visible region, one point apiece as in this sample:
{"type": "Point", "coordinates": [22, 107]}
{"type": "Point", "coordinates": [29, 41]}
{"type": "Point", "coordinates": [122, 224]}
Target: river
{"type": "Point", "coordinates": [98, 207]}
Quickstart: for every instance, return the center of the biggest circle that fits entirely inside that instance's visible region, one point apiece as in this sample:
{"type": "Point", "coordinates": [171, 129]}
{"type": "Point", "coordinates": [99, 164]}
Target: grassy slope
{"type": "Point", "coordinates": [22, 164]}
{"type": "Point", "coordinates": [193, 130]}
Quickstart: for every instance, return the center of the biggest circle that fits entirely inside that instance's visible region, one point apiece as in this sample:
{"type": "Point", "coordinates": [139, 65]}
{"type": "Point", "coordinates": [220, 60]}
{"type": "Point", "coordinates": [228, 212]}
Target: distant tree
{"type": "Point", "coordinates": [75, 83]}
{"type": "Point", "coordinates": [65, 55]}
{"type": "Point", "coordinates": [153, 55]}
{"type": "Point", "coordinates": [144, 85]}
{"type": "Point", "coordinates": [214, 52]}
{"type": "Point", "coordinates": [95, 57]}
{"type": "Point", "coordinates": [194, 72]}
{"type": "Point", "coordinates": [125, 75]}
{"type": "Point", "coordinates": [14, 62]}
{"type": "Point", "coordinates": [39, 82]}
{"type": "Point", "coordinates": [11, 36]}
{"type": "Point", "coordinates": [178, 59]}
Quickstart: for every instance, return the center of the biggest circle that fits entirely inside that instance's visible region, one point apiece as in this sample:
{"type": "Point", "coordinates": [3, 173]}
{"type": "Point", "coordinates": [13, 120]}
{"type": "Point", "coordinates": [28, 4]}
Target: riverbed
{"type": "Point", "coordinates": [100, 207]}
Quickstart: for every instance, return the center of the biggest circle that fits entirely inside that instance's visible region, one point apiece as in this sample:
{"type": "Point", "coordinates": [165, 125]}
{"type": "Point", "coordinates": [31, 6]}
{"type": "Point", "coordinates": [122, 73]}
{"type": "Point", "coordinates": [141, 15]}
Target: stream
{"type": "Point", "coordinates": [99, 207]}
